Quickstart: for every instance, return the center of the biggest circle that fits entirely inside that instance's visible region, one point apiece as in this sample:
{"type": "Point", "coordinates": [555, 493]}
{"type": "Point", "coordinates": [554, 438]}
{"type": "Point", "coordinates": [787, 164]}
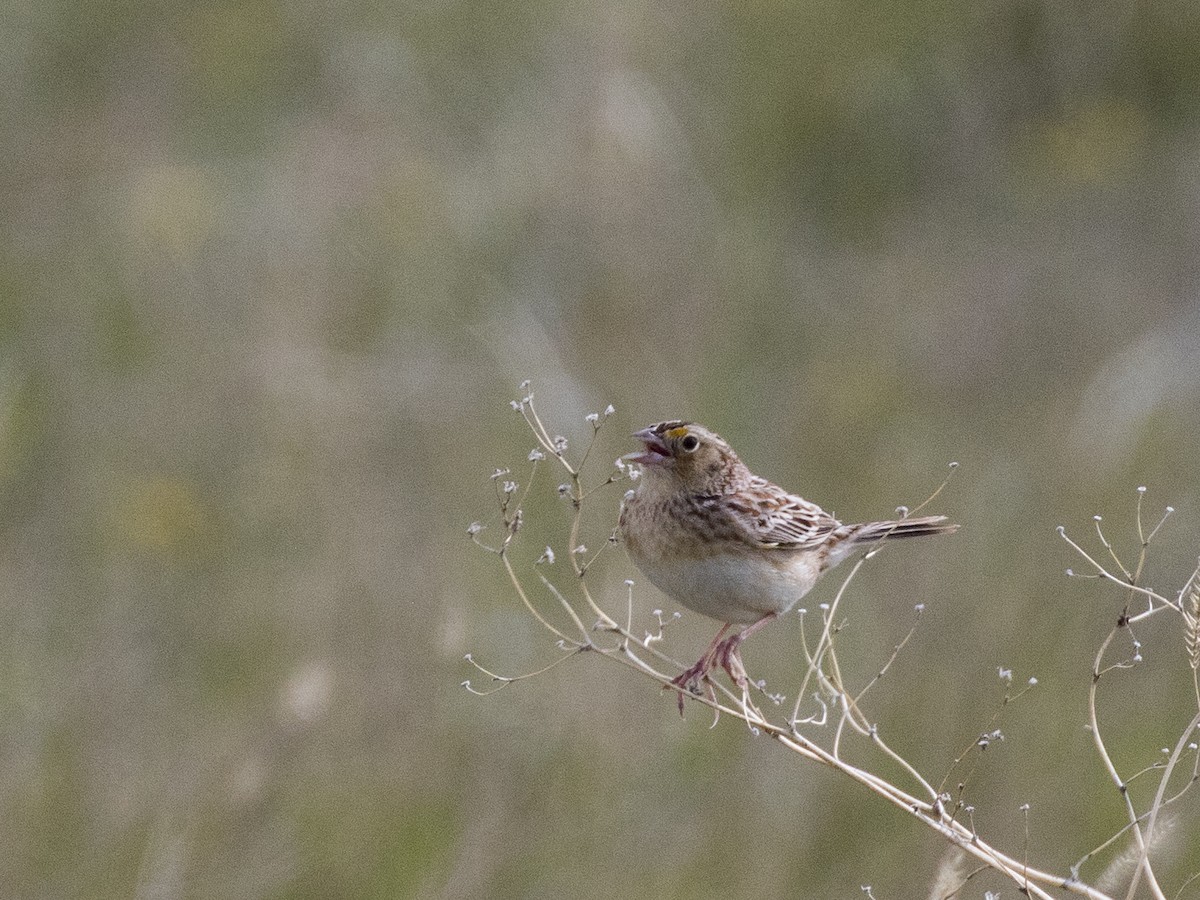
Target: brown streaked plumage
{"type": "Point", "coordinates": [729, 544]}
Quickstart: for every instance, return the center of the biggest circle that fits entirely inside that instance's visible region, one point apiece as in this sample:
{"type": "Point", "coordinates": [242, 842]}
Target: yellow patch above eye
{"type": "Point", "coordinates": [677, 432]}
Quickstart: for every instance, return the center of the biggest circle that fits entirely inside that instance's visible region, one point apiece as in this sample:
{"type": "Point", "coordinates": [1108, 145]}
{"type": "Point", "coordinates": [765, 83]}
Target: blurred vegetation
{"type": "Point", "coordinates": [270, 273]}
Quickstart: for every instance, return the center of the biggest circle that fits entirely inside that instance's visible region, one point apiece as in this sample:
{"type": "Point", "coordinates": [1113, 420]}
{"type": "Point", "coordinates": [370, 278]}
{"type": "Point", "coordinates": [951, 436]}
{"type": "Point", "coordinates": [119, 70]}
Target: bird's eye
{"type": "Point", "coordinates": [690, 443]}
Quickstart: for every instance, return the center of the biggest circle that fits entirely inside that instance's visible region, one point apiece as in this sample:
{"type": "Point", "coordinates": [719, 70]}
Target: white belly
{"type": "Point", "coordinates": [733, 587]}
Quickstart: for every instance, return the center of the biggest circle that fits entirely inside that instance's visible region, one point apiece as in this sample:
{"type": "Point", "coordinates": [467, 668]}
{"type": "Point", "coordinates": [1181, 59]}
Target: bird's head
{"type": "Point", "coordinates": [697, 457]}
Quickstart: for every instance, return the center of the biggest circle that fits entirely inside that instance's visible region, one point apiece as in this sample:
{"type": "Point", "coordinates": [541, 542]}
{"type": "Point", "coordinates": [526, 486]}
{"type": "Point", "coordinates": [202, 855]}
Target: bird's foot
{"type": "Point", "coordinates": [728, 656]}
{"type": "Point", "coordinates": [691, 679]}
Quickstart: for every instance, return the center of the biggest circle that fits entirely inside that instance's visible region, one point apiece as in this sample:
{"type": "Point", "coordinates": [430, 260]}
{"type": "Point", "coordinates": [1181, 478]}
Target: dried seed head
{"type": "Point", "coordinates": [1191, 621]}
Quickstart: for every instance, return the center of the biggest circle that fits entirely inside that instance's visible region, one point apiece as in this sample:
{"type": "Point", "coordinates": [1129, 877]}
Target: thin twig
{"type": "Point", "coordinates": [506, 680]}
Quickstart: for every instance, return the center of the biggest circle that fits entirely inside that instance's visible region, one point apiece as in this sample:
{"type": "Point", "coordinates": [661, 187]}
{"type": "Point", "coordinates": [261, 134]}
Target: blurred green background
{"type": "Point", "coordinates": [270, 274]}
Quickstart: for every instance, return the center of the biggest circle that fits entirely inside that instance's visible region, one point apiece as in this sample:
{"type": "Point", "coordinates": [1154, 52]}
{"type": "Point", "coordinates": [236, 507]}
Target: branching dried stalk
{"type": "Point", "coordinates": [836, 712]}
{"type": "Point", "coordinates": [1153, 604]}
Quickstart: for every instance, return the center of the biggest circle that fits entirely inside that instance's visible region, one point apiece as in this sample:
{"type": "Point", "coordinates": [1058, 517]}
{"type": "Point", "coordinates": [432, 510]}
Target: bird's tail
{"type": "Point", "coordinates": [921, 525]}
{"type": "Point", "coordinates": [852, 537]}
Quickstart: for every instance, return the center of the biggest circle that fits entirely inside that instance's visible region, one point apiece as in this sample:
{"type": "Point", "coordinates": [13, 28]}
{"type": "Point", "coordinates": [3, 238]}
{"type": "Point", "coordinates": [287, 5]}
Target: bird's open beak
{"type": "Point", "coordinates": [655, 453]}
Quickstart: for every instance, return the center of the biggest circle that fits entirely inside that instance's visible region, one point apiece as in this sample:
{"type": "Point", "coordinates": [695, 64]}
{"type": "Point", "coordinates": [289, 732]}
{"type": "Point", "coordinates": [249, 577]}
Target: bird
{"type": "Point", "coordinates": [729, 544]}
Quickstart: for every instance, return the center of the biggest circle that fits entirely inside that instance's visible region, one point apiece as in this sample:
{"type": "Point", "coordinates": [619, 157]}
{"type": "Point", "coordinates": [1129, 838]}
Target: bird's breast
{"type": "Point", "coordinates": [733, 587]}
{"type": "Point", "coordinates": [707, 570]}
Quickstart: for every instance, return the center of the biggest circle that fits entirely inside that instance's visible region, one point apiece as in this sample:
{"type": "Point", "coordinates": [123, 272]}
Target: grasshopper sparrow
{"type": "Point", "coordinates": [731, 545]}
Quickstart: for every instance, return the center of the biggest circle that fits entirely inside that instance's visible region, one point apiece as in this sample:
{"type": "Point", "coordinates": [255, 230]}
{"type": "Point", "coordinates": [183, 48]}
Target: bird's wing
{"type": "Point", "coordinates": [768, 516]}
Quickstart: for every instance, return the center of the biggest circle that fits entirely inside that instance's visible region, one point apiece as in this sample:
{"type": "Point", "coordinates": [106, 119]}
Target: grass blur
{"type": "Point", "coordinates": [270, 274]}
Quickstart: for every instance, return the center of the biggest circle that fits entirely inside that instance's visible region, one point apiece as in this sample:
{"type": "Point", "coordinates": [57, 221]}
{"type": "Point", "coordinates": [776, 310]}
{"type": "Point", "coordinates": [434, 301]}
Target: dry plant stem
{"type": "Point", "coordinates": [568, 607]}
{"type": "Point", "coordinates": [958, 760]}
{"type": "Point", "coordinates": [1129, 576]}
{"type": "Point", "coordinates": [1143, 840]}
{"type": "Point", "coordinates": [520, 589]}
{"type": "Point", "coordinates": [822, 668]}
{"type": "Point", "coordinates": [1108, 576]}
{"type": "Point", "coordinates": [850, 711]}
{"type": "Point", "coordinates": [1172, 761]}
{"type": "Point", "coordinates": [1183, 887]}
{"type": "Point", "coordinates": [1106, 759]}
{"type": "Point", "coordinates": [928, 813]}
{"type": "Point", "coordinates": [872, 731]}
{"type": "Point", "coordinates": [931, 814]}
{"type": "Point", "coordinates": [887, 665]}
{"type": "Point", "coordinates": [577, 495]}
{"type": "Point", "coordinates": [506, 680]}
{"type": "Point", "coordinates": [1134, 824]}
{"type": "Point", "coordinates": [1031, 880]}
{"type": "Point", "coordinates": [824, 643]}
{"type": "Point", "coordinates": [1160, 801]}
{"type": "Point", "coordinates": [1193, 778]}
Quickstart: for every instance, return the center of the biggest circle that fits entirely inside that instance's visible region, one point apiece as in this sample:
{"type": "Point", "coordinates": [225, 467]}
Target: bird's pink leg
{"type": "Point", "coordinates": [689, 679]}
{"type": "Point", "coordinates": [728, 654]}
